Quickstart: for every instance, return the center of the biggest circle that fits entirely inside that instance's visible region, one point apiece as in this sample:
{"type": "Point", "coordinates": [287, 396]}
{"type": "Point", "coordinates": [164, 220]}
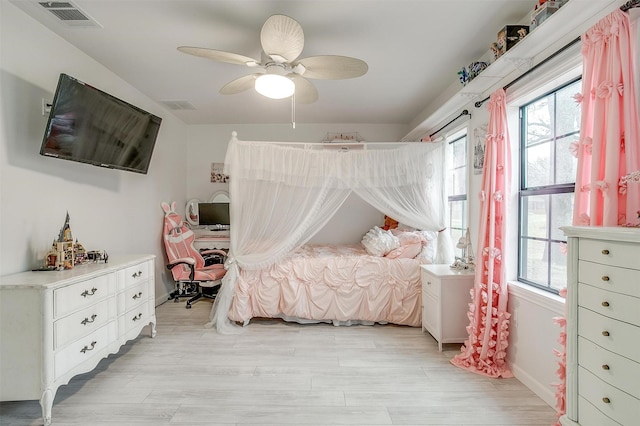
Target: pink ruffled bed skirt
{"type": "Point", "coordinates": [332, 283]}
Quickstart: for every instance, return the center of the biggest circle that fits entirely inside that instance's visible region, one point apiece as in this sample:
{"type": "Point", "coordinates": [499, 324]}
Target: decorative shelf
{"type": "Point", "coordinates": [567, 24]}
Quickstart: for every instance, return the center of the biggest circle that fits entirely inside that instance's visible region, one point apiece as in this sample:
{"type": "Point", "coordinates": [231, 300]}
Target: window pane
{"type": "Point", "coordinates": [566, 163]}
{"type": "Point", "coordinates": [567, 110]}
{"type": "Point", "coordinates": [561, 214]}
{"type": "Point", "coordinates": [457, 215]}
{"type": "Point", "coordinates": [558, 266]}
{"type": "Point", "coordinates": [458, 182]}
{"type": "Point", "coordinates": [539, 123]}
{"type": "Point", "coordinates": [534, 214]}
{"type": "Point", "coordinates": [538, 165]}
{"type": "Point", "coordinates": [535, 256]}
{"type": "Point", "coordinates": [459, 152]}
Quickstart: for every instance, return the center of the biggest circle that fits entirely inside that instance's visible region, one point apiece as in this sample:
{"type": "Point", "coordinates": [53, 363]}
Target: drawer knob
{"type": "Point", "coordinates": [605, 278]}
{"type": "Point", "coordinates": [89, 293]}
{"type": "Point", "coordinates": [88, 321]}
{"type": "Point", "coordinates": [605, 304]}
{"type": "Point", "coordinates": [137, 274]}
{"type": "Point", "coordinates": [606, 400]}
{"type": "Point", "coordinates": [605, 333]}
{"type": "Point", "coordinates": [605, 367]}
{"type": "Point", "coordinates": [138, 295]}
{"type": "Point", "coordinates": [605, 252]}
{"type": "Point", "coordinates": [87, 348]}
{"type": "Point", "coordinates": [137, 317]}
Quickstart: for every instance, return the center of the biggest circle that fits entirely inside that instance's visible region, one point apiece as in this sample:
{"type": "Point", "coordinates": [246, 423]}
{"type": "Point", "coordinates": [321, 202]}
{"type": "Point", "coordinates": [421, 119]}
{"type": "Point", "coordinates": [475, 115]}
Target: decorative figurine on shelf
{"type": "Point", "coordinates": [467, 261]}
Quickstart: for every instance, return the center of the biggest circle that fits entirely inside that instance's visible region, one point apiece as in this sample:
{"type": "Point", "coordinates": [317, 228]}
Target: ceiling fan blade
{"type": "Point", "coordinates": [218, 55]}
{"type": "Point", "coordinates": [239, 84]}
{"type": "Point", "coordinates": [282, 38]}
{"type": "Point", "coordinates": [306, 92]}
{"type": "Point", "coordinates": [332, 67]}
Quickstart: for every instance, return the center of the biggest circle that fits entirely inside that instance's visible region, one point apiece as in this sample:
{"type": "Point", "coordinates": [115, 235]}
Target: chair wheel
{"type": "Point", "coordinates": [175, 300]}
{"type": "Point", "coordinates": [188, 306]}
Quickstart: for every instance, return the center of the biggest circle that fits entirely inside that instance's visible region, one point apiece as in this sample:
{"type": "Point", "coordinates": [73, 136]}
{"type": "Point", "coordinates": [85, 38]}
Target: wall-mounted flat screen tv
{"type": "Point", "coordinates": [90, 126]}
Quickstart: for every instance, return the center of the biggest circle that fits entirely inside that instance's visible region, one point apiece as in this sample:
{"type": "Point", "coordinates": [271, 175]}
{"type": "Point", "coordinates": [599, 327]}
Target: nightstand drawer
{"type": "Point", "coordinates": [430, 286]}
{"type": "Point", "coordinates": [610, 278]}
{"type": "Point", "coordinates": [612, 402]}
{"type": "Point", "coordinates": [613, 335]}
{"type": "Point", "coordinates": [613, 305]}
{"type": "Point", "coordinates": [614, 369]}
{"type": "Point", "coordinates": [614, 253]}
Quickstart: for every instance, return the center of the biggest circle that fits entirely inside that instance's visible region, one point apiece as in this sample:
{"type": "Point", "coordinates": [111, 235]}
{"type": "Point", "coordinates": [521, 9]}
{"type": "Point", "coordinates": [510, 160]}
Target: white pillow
{"type": "Point", "coordinates": [378, 242]}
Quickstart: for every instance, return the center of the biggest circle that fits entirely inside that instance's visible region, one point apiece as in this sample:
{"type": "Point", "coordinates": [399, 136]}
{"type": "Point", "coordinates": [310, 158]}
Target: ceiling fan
{"type": "Point", "coordinates": [282, 74]}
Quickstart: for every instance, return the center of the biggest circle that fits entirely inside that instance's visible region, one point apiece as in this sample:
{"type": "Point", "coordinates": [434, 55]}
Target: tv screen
{"type": "Point", "coordinates": [213, 214]}
{"type": "Point", "coordinates": [90, 126]}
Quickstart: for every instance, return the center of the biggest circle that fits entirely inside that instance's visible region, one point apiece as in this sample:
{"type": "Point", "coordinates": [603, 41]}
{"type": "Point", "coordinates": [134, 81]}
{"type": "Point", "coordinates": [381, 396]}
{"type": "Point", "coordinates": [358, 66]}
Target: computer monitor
{"type": "Point", "coordinates": [215, 215]}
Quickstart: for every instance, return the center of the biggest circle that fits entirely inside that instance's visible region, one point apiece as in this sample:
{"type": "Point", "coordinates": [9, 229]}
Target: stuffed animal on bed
{"type": "Point", "coordinates": [389, 223]}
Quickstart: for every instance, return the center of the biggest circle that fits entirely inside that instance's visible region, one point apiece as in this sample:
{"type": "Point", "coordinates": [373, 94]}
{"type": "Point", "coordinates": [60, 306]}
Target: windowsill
{"type": "Point", "coordinates": [542, 298]}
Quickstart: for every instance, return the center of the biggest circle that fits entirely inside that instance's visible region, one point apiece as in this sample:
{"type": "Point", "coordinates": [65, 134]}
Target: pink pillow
{"type": "Point", "coordinates": [410, 245]}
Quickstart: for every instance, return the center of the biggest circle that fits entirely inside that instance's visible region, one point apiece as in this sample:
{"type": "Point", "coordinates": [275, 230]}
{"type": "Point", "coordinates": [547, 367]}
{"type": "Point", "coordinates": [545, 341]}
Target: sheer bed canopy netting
{"type": "Point", "coordinates": [283, 193]}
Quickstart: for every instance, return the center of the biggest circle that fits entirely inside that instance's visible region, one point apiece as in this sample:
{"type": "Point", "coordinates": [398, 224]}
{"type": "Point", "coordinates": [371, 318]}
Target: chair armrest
{"type": "Point", "coordinates": [189, 261]}
{"type": "Point", "coordinates": [213, 251]}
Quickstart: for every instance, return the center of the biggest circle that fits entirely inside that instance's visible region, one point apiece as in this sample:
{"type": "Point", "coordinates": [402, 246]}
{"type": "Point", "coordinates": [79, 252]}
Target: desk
{"type": "Point", "coordinates": [210, 239]}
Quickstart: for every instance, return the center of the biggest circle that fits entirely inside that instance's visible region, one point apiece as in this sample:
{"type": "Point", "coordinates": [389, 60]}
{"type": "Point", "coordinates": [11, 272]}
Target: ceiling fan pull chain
{"type": "Point", "coordinates": [293, 110]}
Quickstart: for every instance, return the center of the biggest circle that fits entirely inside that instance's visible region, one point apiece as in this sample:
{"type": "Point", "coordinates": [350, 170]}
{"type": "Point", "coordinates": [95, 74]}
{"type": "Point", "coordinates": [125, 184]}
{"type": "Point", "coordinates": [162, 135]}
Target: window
{"type": "Point", "coordinates": [457, 189]}
{"type": "Point", "coordinates": [549, 125]}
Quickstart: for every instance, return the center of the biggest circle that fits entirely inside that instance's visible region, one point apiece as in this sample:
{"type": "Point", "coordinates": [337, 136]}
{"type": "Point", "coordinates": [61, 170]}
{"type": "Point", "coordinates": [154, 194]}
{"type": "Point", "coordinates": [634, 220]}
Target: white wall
{"type": "Point", "coordinates": [208, 144]}
{"type": "Point", "coordinates": [110, 210]}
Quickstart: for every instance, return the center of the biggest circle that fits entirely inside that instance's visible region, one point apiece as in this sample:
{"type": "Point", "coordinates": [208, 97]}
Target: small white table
{"type": "Point", "coordinates": [445, 302]}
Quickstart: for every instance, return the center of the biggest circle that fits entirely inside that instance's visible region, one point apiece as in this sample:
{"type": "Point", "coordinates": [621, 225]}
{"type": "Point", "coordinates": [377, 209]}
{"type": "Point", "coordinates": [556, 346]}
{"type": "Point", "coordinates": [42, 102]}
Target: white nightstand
{"type": "Point", "coordinates": [445, 302]}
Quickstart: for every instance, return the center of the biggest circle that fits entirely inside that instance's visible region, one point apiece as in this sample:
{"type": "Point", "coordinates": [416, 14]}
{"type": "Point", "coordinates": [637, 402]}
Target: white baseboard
{"type": "Point", "coordinates": [162, 298]}
{"type": "Point", "coordinates": [543, 390]}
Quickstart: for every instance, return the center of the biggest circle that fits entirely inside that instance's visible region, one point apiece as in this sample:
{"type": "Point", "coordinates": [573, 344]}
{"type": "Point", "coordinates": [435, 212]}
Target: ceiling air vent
{"type": "Point", "coordinates": [178, 104]}
{"type": "Point", "coordinates": [69, 14]}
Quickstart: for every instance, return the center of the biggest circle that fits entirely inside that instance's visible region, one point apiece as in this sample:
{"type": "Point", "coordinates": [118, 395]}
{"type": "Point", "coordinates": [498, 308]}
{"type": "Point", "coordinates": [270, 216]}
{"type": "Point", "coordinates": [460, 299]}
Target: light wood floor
{"type": "Point", "coordinates": [278, 373]}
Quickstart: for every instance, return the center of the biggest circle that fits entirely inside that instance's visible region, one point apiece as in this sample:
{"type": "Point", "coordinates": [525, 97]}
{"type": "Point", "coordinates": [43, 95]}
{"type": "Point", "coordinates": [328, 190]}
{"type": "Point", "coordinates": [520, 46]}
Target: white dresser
{"type": "Point", "coordinates": [57, 324]}
{"type": "Point", "coordinates": [445, 303]}
{"type": "Point", "coordinates": [603, 327]}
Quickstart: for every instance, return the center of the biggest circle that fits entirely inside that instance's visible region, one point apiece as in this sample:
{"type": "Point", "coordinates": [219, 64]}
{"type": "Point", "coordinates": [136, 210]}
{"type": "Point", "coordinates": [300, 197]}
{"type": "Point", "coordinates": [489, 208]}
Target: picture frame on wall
{"type": "Point", "coordinates": [217, 173]}
{"type": "Point", "coordinates": [479, 135]}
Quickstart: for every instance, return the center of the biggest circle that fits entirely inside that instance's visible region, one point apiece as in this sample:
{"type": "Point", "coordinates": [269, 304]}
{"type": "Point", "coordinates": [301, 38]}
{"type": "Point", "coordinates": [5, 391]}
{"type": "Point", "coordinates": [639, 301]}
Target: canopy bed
{"type": "Point", "coordinates": [284, 192]}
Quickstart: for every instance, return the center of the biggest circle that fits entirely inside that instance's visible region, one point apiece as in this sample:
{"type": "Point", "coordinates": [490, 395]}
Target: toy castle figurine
{"type": "Point", "coordinates": [62, 254]}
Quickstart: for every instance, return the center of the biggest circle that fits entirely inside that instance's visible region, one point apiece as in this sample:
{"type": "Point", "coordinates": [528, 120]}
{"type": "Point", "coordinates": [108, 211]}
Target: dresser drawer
{"type": "Point", "coordinates": [83, 322]}
{"type": "Point", "coordinates": [614, 369]}
{"type": "Point", "coordinates": [610, 278]}
{"type": "Point", "coordinates": [613, 335]}
{"type": "Point", "coordinates": [135, 317]}
{"type": "Point", "coordinates": [590, 416]}
{"type": "Point", "coordinates": [82, 294]}
{"type": "Point", "coordinates": [135, 295]}
{"type": "Point", "coordinates": [84, 349]}
{"type": "Point", "coordinates": [618, 306]}
{"type": "Point", "coordinates": [614, 253]}
{"type": "Point", "coordinates": [612, 402]}
{"type": "Point", "coordinates": [136, 274]}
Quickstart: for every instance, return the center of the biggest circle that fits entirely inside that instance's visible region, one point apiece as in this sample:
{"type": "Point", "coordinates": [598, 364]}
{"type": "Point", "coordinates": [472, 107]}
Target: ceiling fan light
{"type": "Point", "coordinates": [274, 86]}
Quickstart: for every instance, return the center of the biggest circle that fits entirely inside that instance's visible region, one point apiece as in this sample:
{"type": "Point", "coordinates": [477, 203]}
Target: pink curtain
{"type": "Point", "coordinates": [607, 194]}
{"type": "Point", "coordinates": [486, 349]}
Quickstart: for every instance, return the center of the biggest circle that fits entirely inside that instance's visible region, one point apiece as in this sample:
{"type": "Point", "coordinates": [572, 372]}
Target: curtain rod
{"type": "Point", "coordinates": [478, 104]}
{"type": "Point", "coordinates": [464, 112]}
